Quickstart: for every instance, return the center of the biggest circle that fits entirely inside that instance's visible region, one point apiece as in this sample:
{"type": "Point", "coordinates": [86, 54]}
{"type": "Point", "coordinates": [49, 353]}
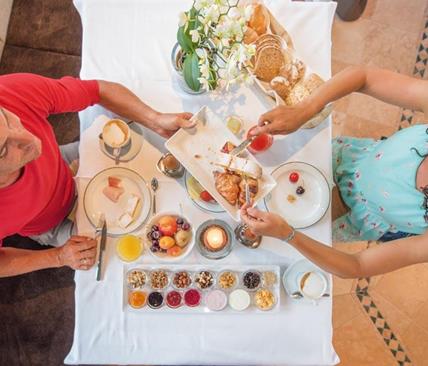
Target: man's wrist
{"type": "Point", "coordinates": [56, 257]}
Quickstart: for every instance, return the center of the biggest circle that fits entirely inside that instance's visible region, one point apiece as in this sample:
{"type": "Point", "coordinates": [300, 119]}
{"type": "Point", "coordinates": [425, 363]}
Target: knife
{"type": "Point", "coordinates": [102, 231]}
{"type": "Point", "coordinates": [242, 146]}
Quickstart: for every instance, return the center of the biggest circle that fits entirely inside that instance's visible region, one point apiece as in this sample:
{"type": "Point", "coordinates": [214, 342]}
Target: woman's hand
{"type": "Point", "coordinates": [265, 223]}
{"type": "Point", "coordinates": [78, 252]}
{"type": "Point", "coordinates": [283, 120]}
{"type": "Point", "coordinates": [166, 124]}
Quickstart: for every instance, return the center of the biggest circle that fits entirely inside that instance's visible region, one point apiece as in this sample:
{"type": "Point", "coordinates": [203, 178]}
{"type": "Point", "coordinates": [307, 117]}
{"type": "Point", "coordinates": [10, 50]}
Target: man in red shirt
{"type": "Point", "coordinates": [37, 191]}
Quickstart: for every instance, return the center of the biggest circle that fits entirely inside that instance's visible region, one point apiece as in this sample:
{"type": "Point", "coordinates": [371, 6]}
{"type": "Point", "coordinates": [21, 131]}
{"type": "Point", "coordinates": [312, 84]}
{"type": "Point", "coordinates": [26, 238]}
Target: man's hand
{"type": "Point", "coordinates": [78, 252]}
{"type": "Point", "coordinates": [265, 223]}
{"type": "Point", "coordinates": [283, 120]}
{"type": "Point", "coordinates": [166, 124]}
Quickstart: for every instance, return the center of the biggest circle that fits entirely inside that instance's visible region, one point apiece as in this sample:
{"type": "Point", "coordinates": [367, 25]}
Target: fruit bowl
{"type": "Point", "coordinates": [169, 237]}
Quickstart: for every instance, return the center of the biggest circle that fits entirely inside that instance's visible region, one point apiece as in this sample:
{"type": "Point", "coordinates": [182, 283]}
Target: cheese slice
{"type": "Point", "coordinates": [239, 165]}
{"type": "Point", "coordinates": [125, 220]}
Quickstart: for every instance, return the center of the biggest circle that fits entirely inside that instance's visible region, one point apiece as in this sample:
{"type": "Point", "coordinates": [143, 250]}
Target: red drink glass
{"type": "Point", "coordinates": [261, 143]}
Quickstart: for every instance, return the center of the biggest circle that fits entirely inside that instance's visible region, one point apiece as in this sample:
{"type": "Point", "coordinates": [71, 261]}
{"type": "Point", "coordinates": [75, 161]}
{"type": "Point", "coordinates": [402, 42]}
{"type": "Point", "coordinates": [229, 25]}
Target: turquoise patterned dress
{"type": "Point", "coordinates": [377, 181]}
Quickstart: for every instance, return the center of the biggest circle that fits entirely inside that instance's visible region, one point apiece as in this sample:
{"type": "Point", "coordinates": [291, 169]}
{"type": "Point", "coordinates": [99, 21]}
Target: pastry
{"type": "Point", "coordinates": [227, 184]}
{"type": "Point", "coordinates": [293, 71]}
{"type": "Point", "coordinates": [313, 82]}
{"type": "Point", "coordinates": [259, 20]}
{"type": "Point", "coordinates": [250, 36]}
{"type": "Point", "coordinates": [281, 85]}
{"type": "Point", "coordinates": [239, 165]}
{"type": "Point", "coordinates": [253, 187]}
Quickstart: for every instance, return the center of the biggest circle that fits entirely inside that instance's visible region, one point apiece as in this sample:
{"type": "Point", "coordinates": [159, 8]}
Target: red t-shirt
{"type": "Point", "coordinates": [42, 197]}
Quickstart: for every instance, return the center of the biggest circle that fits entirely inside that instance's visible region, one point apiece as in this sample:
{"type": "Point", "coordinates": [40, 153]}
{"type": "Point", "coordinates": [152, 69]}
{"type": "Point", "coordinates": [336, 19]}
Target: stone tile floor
{"type": "Point", "coordinates": [382, 320]}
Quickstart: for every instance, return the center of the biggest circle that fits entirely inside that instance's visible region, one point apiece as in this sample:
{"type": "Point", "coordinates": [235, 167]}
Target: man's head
{"type": "Point", "coordinates": [18, 146]}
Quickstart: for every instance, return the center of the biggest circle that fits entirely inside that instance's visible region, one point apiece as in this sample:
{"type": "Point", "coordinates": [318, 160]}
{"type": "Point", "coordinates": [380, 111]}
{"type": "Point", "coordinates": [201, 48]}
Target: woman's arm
{"type": "Point", "coordinates": [120, 100]}
{"type": "Point", "coordinates": [370, 262]}
{"type": "Point", "coordinates": [384, 85]}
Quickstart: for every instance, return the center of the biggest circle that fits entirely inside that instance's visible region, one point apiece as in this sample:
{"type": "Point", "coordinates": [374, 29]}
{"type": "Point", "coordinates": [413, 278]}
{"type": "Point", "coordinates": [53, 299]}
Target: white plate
{"type": "Point", "coordinates": [95, 202]}
{"type": "Point", "coordinates": [290, 278]}
{"type": "Point", "coordinates": [165, 258]}
{"type": "Point", "coordinates": [196, 149]}
{"type": "Point", "coordinates": [213, 207]}
{"type": "Point", "coordinates": [309, 207]}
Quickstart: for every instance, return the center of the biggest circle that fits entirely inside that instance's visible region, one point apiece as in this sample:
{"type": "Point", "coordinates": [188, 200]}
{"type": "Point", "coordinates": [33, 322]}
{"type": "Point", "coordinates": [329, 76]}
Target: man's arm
{"type": "Point", "coordinates": [384, 85]}
{"type": "Point", "coordinates": [78, 253]}
{"type": "Point", "coordinates": [370, 262]}
{"type": "Point", "coordinates": [120, 100]}
{"type": "Point", "coordinates": [14, 261]}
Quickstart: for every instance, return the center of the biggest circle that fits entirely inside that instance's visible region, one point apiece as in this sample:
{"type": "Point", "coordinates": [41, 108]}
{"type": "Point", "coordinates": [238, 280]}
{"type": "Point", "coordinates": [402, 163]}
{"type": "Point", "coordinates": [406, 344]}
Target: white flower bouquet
{"type": "Point", "coordinates": [213, 53]}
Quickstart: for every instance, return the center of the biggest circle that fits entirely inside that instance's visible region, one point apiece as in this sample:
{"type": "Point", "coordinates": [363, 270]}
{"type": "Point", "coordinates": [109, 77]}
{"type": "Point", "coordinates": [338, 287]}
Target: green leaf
{"type": "Point", "coordinates": [191, 71]}
{"type": "Point", "coordinates": [184, 40]}
{"type": "Point", "coordinates": [212, 80]}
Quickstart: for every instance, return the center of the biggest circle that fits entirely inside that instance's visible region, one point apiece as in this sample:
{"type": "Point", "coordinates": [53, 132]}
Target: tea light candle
{"type": "Point", "coordinates": [215, 237]}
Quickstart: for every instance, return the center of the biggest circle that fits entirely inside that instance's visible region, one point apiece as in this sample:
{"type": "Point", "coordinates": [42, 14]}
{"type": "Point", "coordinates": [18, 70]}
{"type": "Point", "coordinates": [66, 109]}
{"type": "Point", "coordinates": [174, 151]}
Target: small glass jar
{"type": "Point", "coordinates": [227, 280]}
{"type": "Point", "coordinates": [251, 280]}
{"type": "Point", "coordinates": [155, 300]}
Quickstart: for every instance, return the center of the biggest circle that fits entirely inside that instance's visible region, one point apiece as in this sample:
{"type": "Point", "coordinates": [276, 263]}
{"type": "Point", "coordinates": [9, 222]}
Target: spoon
{"type": "Point", "coordinates": [296, 295]}
{"type": "Point", "coordinates": [155, 185]}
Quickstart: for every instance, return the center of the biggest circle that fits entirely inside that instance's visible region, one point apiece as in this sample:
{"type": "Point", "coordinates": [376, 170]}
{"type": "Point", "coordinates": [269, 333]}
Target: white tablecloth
{"type": "Point", "coordinates": [129, 41]}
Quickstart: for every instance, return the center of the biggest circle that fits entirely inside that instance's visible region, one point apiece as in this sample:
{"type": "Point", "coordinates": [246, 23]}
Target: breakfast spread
{"type": "Point", "coordinates": [202, 289]}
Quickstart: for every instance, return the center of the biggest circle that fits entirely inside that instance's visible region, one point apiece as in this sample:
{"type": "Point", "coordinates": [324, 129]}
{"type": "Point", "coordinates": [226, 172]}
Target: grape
{"type": "Point", "coordinates": [155, 242]}
{"type": "Point", "coordinates": [155, 228]}
{"type": "Point", "coordinates": [156, 235]}
{"type": "Point", "coordinates": [180, 221]}
{"type": "Point", "coordinates": [300, 190]}
{"type": "Point", "coordinates": [154, 249]}
{"type": "Point", "coordinates": [186, 226]}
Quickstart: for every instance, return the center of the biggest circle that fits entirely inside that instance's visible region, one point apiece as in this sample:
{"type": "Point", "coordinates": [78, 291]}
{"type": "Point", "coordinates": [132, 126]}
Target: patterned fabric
{"type": "Point", "coordinates": [377, 181]}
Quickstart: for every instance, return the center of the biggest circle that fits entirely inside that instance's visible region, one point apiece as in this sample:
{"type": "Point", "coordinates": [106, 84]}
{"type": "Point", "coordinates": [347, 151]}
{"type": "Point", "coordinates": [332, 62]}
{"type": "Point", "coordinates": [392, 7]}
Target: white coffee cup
{"type": "Point", "coordinates": [116, 133]}
{"type": "Point", "coordinates": [312, 285]}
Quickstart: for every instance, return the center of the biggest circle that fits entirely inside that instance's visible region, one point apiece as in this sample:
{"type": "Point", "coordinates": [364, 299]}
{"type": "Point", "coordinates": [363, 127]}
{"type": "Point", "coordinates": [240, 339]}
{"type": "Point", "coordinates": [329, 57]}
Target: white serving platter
{"type": "Point", "coordinates": [95, 202]}
{"type": "Point", "coordinates": [196, 149]}
{"type": "Point", "coordinates": [308, 208]}
{"type": "Point", "coordinates": [202, 308]}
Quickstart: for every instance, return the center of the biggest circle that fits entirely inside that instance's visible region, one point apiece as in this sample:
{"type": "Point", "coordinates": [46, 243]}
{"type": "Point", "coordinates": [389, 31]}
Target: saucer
{"type": "Point", "coordinates": [290, 278]}
{"type": "Point", "coordinates": [130, 150]}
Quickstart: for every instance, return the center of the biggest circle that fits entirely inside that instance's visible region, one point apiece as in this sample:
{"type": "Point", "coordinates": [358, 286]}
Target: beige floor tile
{"type": "Point", "coordinates": [406, 288]}
{"type": "Point", "coordinates": [421, 317]}
{"type": "Point", "coordinates": [337, 65]}
{"type": "Point", "coordinates": [343, 286]}
{"type": "Point", "coordinates": [358, 343]}
{"type": "Point", "coordinates": [390, 48]}
{"type": "Point", "coordinates": [348, 125]}
{"type": "Point", "coordinates": [402, 14]}
{"type": "Point", "coordinates": [371, 109]}
{"type": "Point", "coordinates": [415, 341]}
{"type": "Point", "coordinates": [345, 308]}
{"type": "Point", "coordinates": [370, 9]}
{"type": "Point", "coordinates": [394, 316]}
{"type": "Point", "coordinates": [349, 39]}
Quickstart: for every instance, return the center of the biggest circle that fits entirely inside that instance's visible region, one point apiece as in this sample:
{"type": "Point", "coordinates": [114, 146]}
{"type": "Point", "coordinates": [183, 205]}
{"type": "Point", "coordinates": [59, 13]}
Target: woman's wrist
{"type": "Point", "coordinates": [287, 232]}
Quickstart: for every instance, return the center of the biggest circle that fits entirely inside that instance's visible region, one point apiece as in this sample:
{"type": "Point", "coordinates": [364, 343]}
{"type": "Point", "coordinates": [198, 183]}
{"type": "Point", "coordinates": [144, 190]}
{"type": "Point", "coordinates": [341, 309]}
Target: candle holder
{"type": "Point", "coordinates": [214, 239]}
{"type": "Point", "coordinates": [244, 236]}
{"type": "Point", "coordinates": [170, 166]}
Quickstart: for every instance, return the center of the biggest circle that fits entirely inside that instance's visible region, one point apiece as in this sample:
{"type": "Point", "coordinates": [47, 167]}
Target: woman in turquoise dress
{"type": "Point", "coordinates": [384, 183]}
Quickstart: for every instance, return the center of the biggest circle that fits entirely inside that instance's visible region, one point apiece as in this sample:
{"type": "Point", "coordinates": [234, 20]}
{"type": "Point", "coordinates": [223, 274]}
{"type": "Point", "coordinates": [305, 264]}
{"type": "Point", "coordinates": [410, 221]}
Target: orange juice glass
{"type": "Point", "coordinates": [129, 248]}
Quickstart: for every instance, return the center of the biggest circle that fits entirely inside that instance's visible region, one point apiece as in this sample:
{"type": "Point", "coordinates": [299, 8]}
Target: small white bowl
{"type": "Point", "coordinates": [164, 257]}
